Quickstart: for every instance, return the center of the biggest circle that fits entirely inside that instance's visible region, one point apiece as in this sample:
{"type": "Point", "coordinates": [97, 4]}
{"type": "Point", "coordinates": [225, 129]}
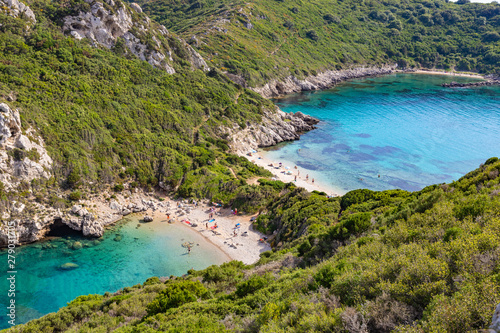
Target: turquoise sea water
{"type": "Point", "coordinates": [404, 127]}
{"type": "Point", "coordinates": [127, 255]}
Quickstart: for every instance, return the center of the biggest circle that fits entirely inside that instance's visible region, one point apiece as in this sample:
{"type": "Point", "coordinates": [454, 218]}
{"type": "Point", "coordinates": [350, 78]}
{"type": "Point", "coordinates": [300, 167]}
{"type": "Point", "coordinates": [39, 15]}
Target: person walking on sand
{"type": "Point", "coordinates": [313, 180]}
{"type": "Point", "coordinates": [168, 216]}
{"type": "Point", "coordinates": [236, 211]}
{"type": "Point", "coordinates": [206, 225]}
{"type": "Point", "coordinates": [307, 177]}
{"type": "Point", "coordinates": [295, 178]}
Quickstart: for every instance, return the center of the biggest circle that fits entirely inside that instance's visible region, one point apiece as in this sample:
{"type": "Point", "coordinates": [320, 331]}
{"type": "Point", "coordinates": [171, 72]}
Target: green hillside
{"type": "Point", "coordinates": [366, 262]}
{"type": "Point", "coordinates": [305, 37]}
{"type": "Point", "coordinates": [107, 118]}
{"type": "Point", "coordinates": [394, 261]}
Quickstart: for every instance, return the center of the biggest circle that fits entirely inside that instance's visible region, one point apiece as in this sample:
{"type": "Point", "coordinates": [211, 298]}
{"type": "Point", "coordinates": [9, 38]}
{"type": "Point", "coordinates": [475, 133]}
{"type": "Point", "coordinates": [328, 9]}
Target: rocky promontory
{"type": "Point", "coordinates": [276, 126]}
{"type": "Point", "coordinates": [454, 84]}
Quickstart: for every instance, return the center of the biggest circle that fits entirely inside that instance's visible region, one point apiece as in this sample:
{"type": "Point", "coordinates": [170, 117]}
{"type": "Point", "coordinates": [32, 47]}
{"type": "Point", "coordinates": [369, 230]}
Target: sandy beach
{"type": "Point", "coordinates": [437, 72]}
{"type": "Point", "coordinates": [281, 173]}
{"type": "Point", "coordinates": [239, 242]}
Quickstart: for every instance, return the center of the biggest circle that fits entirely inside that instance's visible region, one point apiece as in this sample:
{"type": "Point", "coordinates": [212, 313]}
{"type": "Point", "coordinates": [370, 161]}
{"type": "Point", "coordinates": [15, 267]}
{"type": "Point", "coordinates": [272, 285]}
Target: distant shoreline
{"type": "Point", "coordinates": [437, 72]}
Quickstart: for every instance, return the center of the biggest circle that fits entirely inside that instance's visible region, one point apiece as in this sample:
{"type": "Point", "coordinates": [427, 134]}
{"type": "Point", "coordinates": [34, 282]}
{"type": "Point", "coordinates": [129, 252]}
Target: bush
{"type": "Point", "coordinates": [312, 34]}
{"type": "Point", "coordinates": [254, 283]}
{"type": "Point", "coordinates": [151, 281]}
{"type": "Point", "coordinates": [118, 188]}
{"type": "Point", "coordinates": [176, 294]}
{"type": "Point", "coordinates": [75, 196]}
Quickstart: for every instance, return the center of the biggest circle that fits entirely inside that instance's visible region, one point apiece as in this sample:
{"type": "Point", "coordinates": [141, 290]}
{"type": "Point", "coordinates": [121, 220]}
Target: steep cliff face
{"type": "Point", "coordinates": [16, 8]}
{"type": "Point", "coordinates": [113, 24]}
{"type": "Point", "coordinates": [22, 156]}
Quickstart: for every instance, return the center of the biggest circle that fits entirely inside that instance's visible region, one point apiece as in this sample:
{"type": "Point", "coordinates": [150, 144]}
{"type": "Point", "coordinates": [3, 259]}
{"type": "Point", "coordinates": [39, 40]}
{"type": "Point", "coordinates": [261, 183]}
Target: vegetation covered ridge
{"type": "Point", "coordinates": [261, 40]}
{"type": "Point", "coordinates": [426, 261]}
{"type": "Point", "coordinates": [113, 114]}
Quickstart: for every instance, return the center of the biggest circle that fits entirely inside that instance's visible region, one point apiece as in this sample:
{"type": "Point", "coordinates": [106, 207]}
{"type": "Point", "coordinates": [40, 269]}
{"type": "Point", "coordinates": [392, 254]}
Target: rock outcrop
{"type": "Point", "coordinates": [495, 322]}
{"type": "Point", "coordinates": [112, 24]}
{"type": "Point", "coordinates": [277, 126]}
{"type": "Point", "coordinates": [324, 80]}
{"type": "Point", "coordinates": [16, 8]}
{"type": "Point", "coordinates": [471, 84]}
{"type": "Point", "coordinates": [22, 156]}
{"type": "Point", "coordinates": [91, 222]}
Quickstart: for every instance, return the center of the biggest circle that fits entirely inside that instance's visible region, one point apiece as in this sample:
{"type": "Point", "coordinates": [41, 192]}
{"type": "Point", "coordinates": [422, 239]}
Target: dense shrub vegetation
{"type": "Point", "coordinates": [412, 262]}
{"type": "Point", "coordinates": [302, 37]}
{"type": "Point", "coordinates": [369, 261]}
{"type": "Point", "coordinates": [109, 120]}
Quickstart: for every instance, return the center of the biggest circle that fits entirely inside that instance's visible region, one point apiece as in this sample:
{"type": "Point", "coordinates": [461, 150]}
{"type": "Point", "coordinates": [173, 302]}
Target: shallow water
{"type": "Point", "coordinates": [125, 256]}
{"type": "Point", "coordinates": [404, 127]}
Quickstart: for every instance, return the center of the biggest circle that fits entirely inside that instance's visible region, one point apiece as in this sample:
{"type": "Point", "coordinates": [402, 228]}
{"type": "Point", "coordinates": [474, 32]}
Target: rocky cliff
{"type": "Point", "coordinates": [276, 126]}
{"type": "Point", "coordinates": [114, 24]}
{"type": "Point", "coordinates": [324, 80]}
{"type": "Point", "coordinates": [16, 8]}
{"type": "Point", "coordinates": [22, 154]}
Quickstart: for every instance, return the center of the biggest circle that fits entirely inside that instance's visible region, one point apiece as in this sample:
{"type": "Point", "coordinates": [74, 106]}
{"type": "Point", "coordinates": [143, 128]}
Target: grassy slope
{"type": "Point", "coordinates": [422, 261]}
{"type": "Point", "coordinates": [283, 42]}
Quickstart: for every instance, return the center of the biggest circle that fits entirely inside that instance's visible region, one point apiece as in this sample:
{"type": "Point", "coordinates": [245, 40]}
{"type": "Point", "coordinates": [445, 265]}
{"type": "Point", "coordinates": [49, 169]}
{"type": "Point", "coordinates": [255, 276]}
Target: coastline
{"type": "Point", "coordinates": [437, 72]}
{"type": "Point", "coordinates": [246, 249]}
{"type": "Point", "coordinates": [277, 88]}
{"type": "Point", "coordinates": [280, 173]}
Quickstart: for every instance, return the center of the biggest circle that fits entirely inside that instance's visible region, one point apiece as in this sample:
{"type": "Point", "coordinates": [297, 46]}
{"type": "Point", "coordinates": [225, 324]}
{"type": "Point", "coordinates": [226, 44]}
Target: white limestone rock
{"type": "Point", "coordinates": [12, 171]}
{"type": "Point", "coordinates": [115, 206]}
{"type": "Point", "coordinates": [10, 123]}
{"type": "Point", "coordinates": [136, 7]}
{"type": "Point", "coordinates": [16, 8]}
{"type": "Point", "coordinates": [91, 227]}
{"type": "Point", "coordinates": [103, 27]}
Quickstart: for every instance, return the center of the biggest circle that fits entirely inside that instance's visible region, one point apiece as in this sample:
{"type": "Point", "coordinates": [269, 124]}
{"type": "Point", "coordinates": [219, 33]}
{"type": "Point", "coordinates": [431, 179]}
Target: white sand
{"type": "Point", "coordinates": [244, 248]}
{"type": "Point", "coordinates": [307, 183]}
{"type": "Point", "coordinates": [437, 72]}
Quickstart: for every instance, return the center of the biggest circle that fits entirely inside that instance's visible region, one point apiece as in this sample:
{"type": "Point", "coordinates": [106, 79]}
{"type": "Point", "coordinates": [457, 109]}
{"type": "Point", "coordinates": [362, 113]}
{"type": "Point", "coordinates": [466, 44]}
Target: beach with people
{"type": "Point", "coordinates": [290, 173]}
{"type": "Point", "coordinates": [231, 231]}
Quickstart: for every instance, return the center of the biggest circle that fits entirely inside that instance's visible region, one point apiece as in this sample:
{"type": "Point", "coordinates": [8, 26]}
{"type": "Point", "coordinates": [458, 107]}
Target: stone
{"type": "Point", "coordinates": [22, 142]}
{"type": "Point", "coordinates": [136, 7]}
{"type": "Point", "coordinates": [16, 8]}
{"type": "Point", "coordinates": [77, 245]}
{"type": "Point", "coordinates": [10, 123]}
{"type": "Point", "coordinates": [126, 212]}
{"type": "Point", "coordinates": [18, 207]}
{"type": "Point", "coordinates": [68, 266]}
{"type": "Point", "coordinates": [91, 227]}
{"type": "Point", "coordinates": [115, 206]}
{"type": "Point", "coordinates": [495, 322]}
{"type": "Point", "coordinates": [75, 209]}
{"type": "Point", "coordinates": [147, 218]}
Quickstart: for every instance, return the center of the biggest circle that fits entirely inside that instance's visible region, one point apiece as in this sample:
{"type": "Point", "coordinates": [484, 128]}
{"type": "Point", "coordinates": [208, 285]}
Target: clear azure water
{"type": "Point", "coordinates": [404, 127]}
{"type": "Point", "coordinates": [153, 249]}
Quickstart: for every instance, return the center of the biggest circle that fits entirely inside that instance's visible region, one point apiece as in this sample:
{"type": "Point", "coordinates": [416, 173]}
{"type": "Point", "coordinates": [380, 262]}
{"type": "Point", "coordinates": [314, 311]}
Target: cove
{"type": "Point", "coordinates": [127, 254]}
{"type": "Point", "coordinates": [404, 127]}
